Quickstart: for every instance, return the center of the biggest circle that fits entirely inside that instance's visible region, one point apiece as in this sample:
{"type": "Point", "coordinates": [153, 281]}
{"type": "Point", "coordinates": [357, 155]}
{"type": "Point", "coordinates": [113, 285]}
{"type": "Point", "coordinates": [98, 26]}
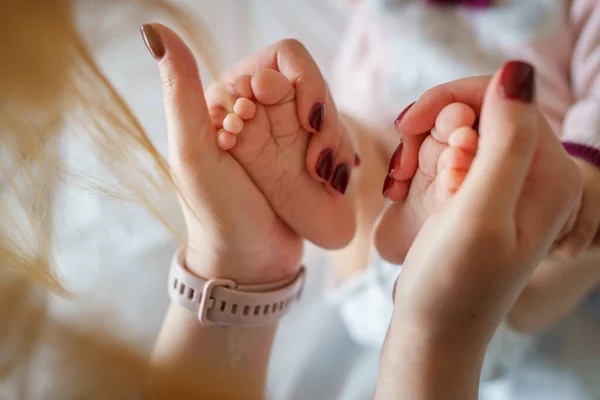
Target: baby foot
{"type": "Point", "coordinates": [265, 136]}
{"type": "Point", "coordinates": [444, 161]}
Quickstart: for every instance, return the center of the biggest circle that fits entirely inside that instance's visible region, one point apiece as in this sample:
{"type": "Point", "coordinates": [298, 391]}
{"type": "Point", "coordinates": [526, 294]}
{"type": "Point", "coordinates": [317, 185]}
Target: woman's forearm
{"type": "Point", "coordinates": [419, 364]}
{"type": "Point", "coordinates": [555, 289]}
{"type": "Point", "coordinates": [199, 361]}
{"type": "Point", "coordinates": [191, 360]}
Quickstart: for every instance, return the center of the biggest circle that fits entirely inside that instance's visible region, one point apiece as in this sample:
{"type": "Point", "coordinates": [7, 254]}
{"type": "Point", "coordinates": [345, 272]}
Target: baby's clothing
{"type": "Point", "coordinates": [394, 50]}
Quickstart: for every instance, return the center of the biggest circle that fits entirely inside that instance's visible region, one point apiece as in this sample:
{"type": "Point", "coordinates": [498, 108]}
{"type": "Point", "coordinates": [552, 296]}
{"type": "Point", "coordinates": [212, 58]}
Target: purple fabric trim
{"type": "Point", "coordinates": [466, 3]}
{"type": "Point", "coordinates": [584, 152]}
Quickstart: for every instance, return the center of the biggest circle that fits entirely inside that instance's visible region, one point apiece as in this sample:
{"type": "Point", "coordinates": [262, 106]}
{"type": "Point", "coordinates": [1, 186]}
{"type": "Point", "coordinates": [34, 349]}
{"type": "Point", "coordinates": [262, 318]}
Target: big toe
{"type": "Point", "coordinates": [452, 117]}
{"type": "Point", "coordinates": [271, 87]}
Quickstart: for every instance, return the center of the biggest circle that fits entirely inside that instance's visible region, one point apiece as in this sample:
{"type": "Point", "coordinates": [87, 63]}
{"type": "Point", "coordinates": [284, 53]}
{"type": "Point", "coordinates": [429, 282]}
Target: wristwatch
{"type": "Point", "coordinates": [224, 302]}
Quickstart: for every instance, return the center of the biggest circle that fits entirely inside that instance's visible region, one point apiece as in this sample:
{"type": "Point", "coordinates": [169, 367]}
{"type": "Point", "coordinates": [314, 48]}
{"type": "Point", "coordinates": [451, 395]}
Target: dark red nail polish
{"type": "Point", "coordinates": [153, 41]}
{"type": "Point", "coordinates": [395, 160]}
{"type": "Point", "coordinates": [316, 116]}
{"type": "Point", "coordinates": [517, 81]}
{"type": "Point", "coordinates": [476, 125]}
{"type": "Point", "coordinates": [356, 160]}
{"type": "Point", "coordinates": [341, 178]}
{"type": "Point", "coordinates": [325, 164]}
{"type": "Point", "coordinates": [388, 184]}
{"type": "Point", "coordinates": [399, 119]}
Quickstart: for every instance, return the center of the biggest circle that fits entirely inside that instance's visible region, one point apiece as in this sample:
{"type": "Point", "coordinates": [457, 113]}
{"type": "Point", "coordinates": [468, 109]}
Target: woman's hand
{"type": "Point", "coordinates": [233, 231]}
{"type": "Point", "coordinates": [482, 247]}
{"type": "Point", "coordinates": [471, 260]}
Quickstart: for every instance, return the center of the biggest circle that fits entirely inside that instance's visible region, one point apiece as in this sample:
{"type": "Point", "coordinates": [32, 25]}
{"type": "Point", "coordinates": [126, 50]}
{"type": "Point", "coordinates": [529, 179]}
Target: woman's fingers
{"type": "Point", "coordinates": [189, 125]}
{"type": "Point", "coordinates": [422, 115]}
{"type": "Point", "coordinates": [508, 138]}
{"type": "Point", "coordinates": [405, 160]}
{"type": "Point", "coordinates": [505, 183]}
{"type": "Point", "coordinates": [450, 118]}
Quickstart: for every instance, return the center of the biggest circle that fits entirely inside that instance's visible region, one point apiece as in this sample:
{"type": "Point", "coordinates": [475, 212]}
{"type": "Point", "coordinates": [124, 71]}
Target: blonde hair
{"type": "Point", "coordinates": [48, 80]}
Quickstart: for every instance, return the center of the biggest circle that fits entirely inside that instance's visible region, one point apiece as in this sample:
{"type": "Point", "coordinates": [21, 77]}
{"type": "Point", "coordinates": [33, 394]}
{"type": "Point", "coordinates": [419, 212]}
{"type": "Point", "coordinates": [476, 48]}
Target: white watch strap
{"type": "Point", "coordinates": [223, 302]}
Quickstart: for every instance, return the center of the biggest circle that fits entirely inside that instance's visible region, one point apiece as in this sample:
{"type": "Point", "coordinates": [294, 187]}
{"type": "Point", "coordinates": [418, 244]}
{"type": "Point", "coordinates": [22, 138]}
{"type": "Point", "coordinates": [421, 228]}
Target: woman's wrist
{"type": "Point", "coordinates": [242, 268]}
{"type": "Point", "coordinates": [192, 359]}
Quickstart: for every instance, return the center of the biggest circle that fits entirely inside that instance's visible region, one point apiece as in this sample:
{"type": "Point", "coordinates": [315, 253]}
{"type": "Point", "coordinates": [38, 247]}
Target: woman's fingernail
{"type": "Point", "coordinates": [517, 81]}
{"type": "Point", "coordinates": [396, 159]}
{"type": "Point", "coordinates": [388, 184]}
{"type": "Point", "coordinates": [476, 124]}
{"type": "Point", "coordinates": [316, 116]}
{"type": "Point", "coordinates": [153, 41]}
{"type": "Point", "coordinates": [340, 178]}
{"type": "Point", "coordinates": [325, 164]}
{"type": "Point", "coordinates": [403, 113]}
{"type": "Point", "coordinates": [356, 160]}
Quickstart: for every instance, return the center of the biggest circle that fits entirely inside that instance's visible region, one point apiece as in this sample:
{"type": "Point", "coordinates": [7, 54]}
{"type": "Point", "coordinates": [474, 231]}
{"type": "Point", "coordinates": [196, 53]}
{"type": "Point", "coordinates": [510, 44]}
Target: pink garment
{"type": "Point", "coordinates": [394, 50]}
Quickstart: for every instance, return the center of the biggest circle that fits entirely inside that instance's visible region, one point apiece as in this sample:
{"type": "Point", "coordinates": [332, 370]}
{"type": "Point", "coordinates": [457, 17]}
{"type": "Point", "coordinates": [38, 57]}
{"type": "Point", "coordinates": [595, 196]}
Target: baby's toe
{"type": "Point", "coordinates": [464, 138]}
{"type": "Point", "coordinates": [226, 140]}
{"type": "Point", "coordinates": [243, 86]}
{"type": "Point", "coordinates": [452, 117]}
{"type": "Point", "coordinates": [455, 162]}
{"type": "Point", "coordinates": [271, 87]}
{"type": "Point", "coordinates": [454, 157]}
{"type": "Point", "coordinates": [448, 183]}
{"type": "Point", "coordinates": [244, 108]}
{"type": "Point", "coordinates": [451, 178]}
{"type": "Point", "coordinates": [233, 123]}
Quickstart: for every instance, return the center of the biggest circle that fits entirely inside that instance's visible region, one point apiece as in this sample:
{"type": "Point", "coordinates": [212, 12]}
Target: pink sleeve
{"type": "Point", "coordinates": [581, 126]}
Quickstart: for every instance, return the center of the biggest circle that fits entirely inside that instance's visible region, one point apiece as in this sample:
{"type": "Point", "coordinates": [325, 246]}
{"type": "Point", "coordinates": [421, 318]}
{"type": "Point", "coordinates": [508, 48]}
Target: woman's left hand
{"type": "Point", "coordinates": [241, 227]}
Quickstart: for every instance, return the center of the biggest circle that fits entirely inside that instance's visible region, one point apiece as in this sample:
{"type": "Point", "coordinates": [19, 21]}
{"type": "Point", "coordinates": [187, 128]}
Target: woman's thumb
{"type": "Point", "coordinates": [188, 121]}
{"type": "Point", "coordinates": [508, 137]}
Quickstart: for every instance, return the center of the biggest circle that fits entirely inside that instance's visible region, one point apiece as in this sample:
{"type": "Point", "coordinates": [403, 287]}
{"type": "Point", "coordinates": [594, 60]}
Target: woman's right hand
{"type": "Point", "coordinates": [471, 260]}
